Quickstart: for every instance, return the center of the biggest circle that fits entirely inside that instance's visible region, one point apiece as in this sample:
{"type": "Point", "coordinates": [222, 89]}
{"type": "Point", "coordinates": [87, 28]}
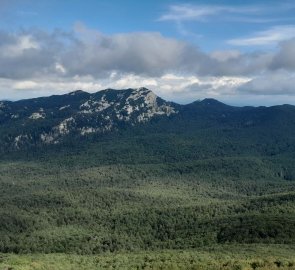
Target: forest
{"type": "Point", "coordinates": [193, 187]}
{"type": "Point", "coordinates": [151, 190]}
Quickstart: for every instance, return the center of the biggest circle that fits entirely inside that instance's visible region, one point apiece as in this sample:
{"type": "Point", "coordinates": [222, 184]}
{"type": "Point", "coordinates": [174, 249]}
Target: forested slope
{"type": "Point", "coordinates": [210, 174]}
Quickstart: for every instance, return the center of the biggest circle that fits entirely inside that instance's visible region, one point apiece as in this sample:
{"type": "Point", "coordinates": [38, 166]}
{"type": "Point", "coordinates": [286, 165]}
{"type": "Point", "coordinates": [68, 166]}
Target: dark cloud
{"type": "Point", "coordinates": [36, 54]}
{"type": "Point", "coordinates": [30, 54]}
{"type": "Point", "coordinates": [242, 65]}
{"type": "Point", "coordinates": [138, 53]}
{"type": "Point", "coordinates": [271, 83]}
{"type": "Point", "coordinates": [285, 58]}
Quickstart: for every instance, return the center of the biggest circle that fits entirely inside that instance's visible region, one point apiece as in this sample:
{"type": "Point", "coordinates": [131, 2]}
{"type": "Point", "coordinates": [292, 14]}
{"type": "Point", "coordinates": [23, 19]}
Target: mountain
{"type": "Point", "coordinates": [49, 119]}
{"type": "Point", "coordinates": [60, 118]}
{"type": "Point", "coordinates": [124, 171]}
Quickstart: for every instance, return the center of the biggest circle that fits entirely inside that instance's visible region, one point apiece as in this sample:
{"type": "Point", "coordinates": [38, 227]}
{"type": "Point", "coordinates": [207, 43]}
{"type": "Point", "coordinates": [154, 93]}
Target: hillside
{"type": "Point", "coordinates": [163, 176]}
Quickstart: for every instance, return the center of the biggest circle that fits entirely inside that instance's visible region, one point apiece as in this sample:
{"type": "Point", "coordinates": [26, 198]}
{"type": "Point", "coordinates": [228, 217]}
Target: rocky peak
{"type": "Point", "coordinates": [131, 105]}
{"type": "Point", "coordinates": [76, 92]}
{"type": "Point", "coordinates": [79, 113]}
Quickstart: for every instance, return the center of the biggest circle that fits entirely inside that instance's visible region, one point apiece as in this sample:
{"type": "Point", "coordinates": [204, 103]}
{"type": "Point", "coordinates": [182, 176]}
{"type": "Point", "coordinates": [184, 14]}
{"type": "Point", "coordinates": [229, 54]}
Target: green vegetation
{"type": "Point", "coordinates": [226, 257]}
{"type": "Point", "coordinates": [50, 207]}
{"type": "Point", "coordinates": [216, 195]}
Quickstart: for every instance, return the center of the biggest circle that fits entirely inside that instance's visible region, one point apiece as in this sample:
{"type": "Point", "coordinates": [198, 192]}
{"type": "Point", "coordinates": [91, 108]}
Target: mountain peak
{"type": "Point", "coordinates": [77, 92]}
{"type": "Point", "coordinates": [80, 113]}
{"type": "Point", "coordinates": [143, 90]}
{"type": "Point", "coordinates": [212, 102]}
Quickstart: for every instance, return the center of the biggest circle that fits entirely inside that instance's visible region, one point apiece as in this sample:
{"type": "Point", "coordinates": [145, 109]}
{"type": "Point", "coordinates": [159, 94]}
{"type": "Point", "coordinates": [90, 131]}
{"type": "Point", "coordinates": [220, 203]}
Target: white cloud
{"type": "Point", "coordinates": [186, 12]}
{"type": "Point", "coordinates": [60, 68]}
{"type": "Point", "coordinates": [267, 37]}
{"type": "Point", "coordinates": [185, 89]}
{"type": "Point", "coordinates": [22, 85]}
{"type": "Point", "coordinates": [133, 81]}
{"type": "Point", "coordinates": [271, 88]}
{"type": "Point", "coordinates": [58, 62]}
{"type": "Point", "coordinates": [181, 88]}
{"type": "Point", "coordinates": [250, 13]}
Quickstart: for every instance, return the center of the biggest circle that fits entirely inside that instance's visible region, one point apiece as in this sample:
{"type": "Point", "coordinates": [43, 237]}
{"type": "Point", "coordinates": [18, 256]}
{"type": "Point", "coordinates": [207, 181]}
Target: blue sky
{"type": "Point", "coordinates": [209, 31]}
{"type": "Point", "coordinates": [240, 52]}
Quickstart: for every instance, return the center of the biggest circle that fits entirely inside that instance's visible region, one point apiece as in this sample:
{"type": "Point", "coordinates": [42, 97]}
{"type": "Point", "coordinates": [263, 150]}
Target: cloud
{"type": "Point", "coordinates": [17, 48]}
{"type": "Point", "coordinates": [22, 85]}
{"type": "Point", "coordinates": [185, 12]}
{"type": "Point", "coordinates": [140, 53]}
{"type": "Point", "coordinates": [188, 12]}
{"type": "Point", "coordinates": [34, 63]}
{"type": "Point", "coordinates": [31, 54]}
{"type": "Point", "coordinates": [225, 55]}
{"type": "Point", "coordinates": [258, 13]}
{"type": "Point", "coordinates": [272, 83]}
{"type": "Point", "coordinates": [267, 37]}
{"type": "Point", "coordinates": [152, 54]}
{"type": "Point", "coordinates": [180, 88]}
{"type": "Point", "coordinates": [285, 58]}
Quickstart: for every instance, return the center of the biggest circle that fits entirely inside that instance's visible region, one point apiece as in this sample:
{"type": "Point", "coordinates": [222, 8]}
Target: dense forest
{"type": "Point", "coordinates": [188, 182]}
{"type": "Point", "coordinates": [148, 191]}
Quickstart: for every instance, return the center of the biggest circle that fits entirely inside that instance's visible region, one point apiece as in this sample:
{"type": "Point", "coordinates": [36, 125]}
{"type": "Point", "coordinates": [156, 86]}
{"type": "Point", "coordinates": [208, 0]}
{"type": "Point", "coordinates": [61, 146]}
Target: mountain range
{"type": "Point", "coordinates": [55, 119]}
{"type": "Point", "coordinates": [124, 170]}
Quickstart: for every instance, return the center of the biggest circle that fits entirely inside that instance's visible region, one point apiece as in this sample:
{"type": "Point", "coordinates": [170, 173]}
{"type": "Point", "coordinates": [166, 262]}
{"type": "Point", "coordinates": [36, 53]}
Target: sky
{"type": "Point", "coordinates": [239, 52]}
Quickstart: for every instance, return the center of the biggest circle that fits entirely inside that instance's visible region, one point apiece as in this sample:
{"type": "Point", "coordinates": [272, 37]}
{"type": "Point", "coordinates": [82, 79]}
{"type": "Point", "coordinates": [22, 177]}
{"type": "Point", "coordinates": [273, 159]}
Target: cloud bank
{"type": "Point", "coordinates": [35, 62]}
